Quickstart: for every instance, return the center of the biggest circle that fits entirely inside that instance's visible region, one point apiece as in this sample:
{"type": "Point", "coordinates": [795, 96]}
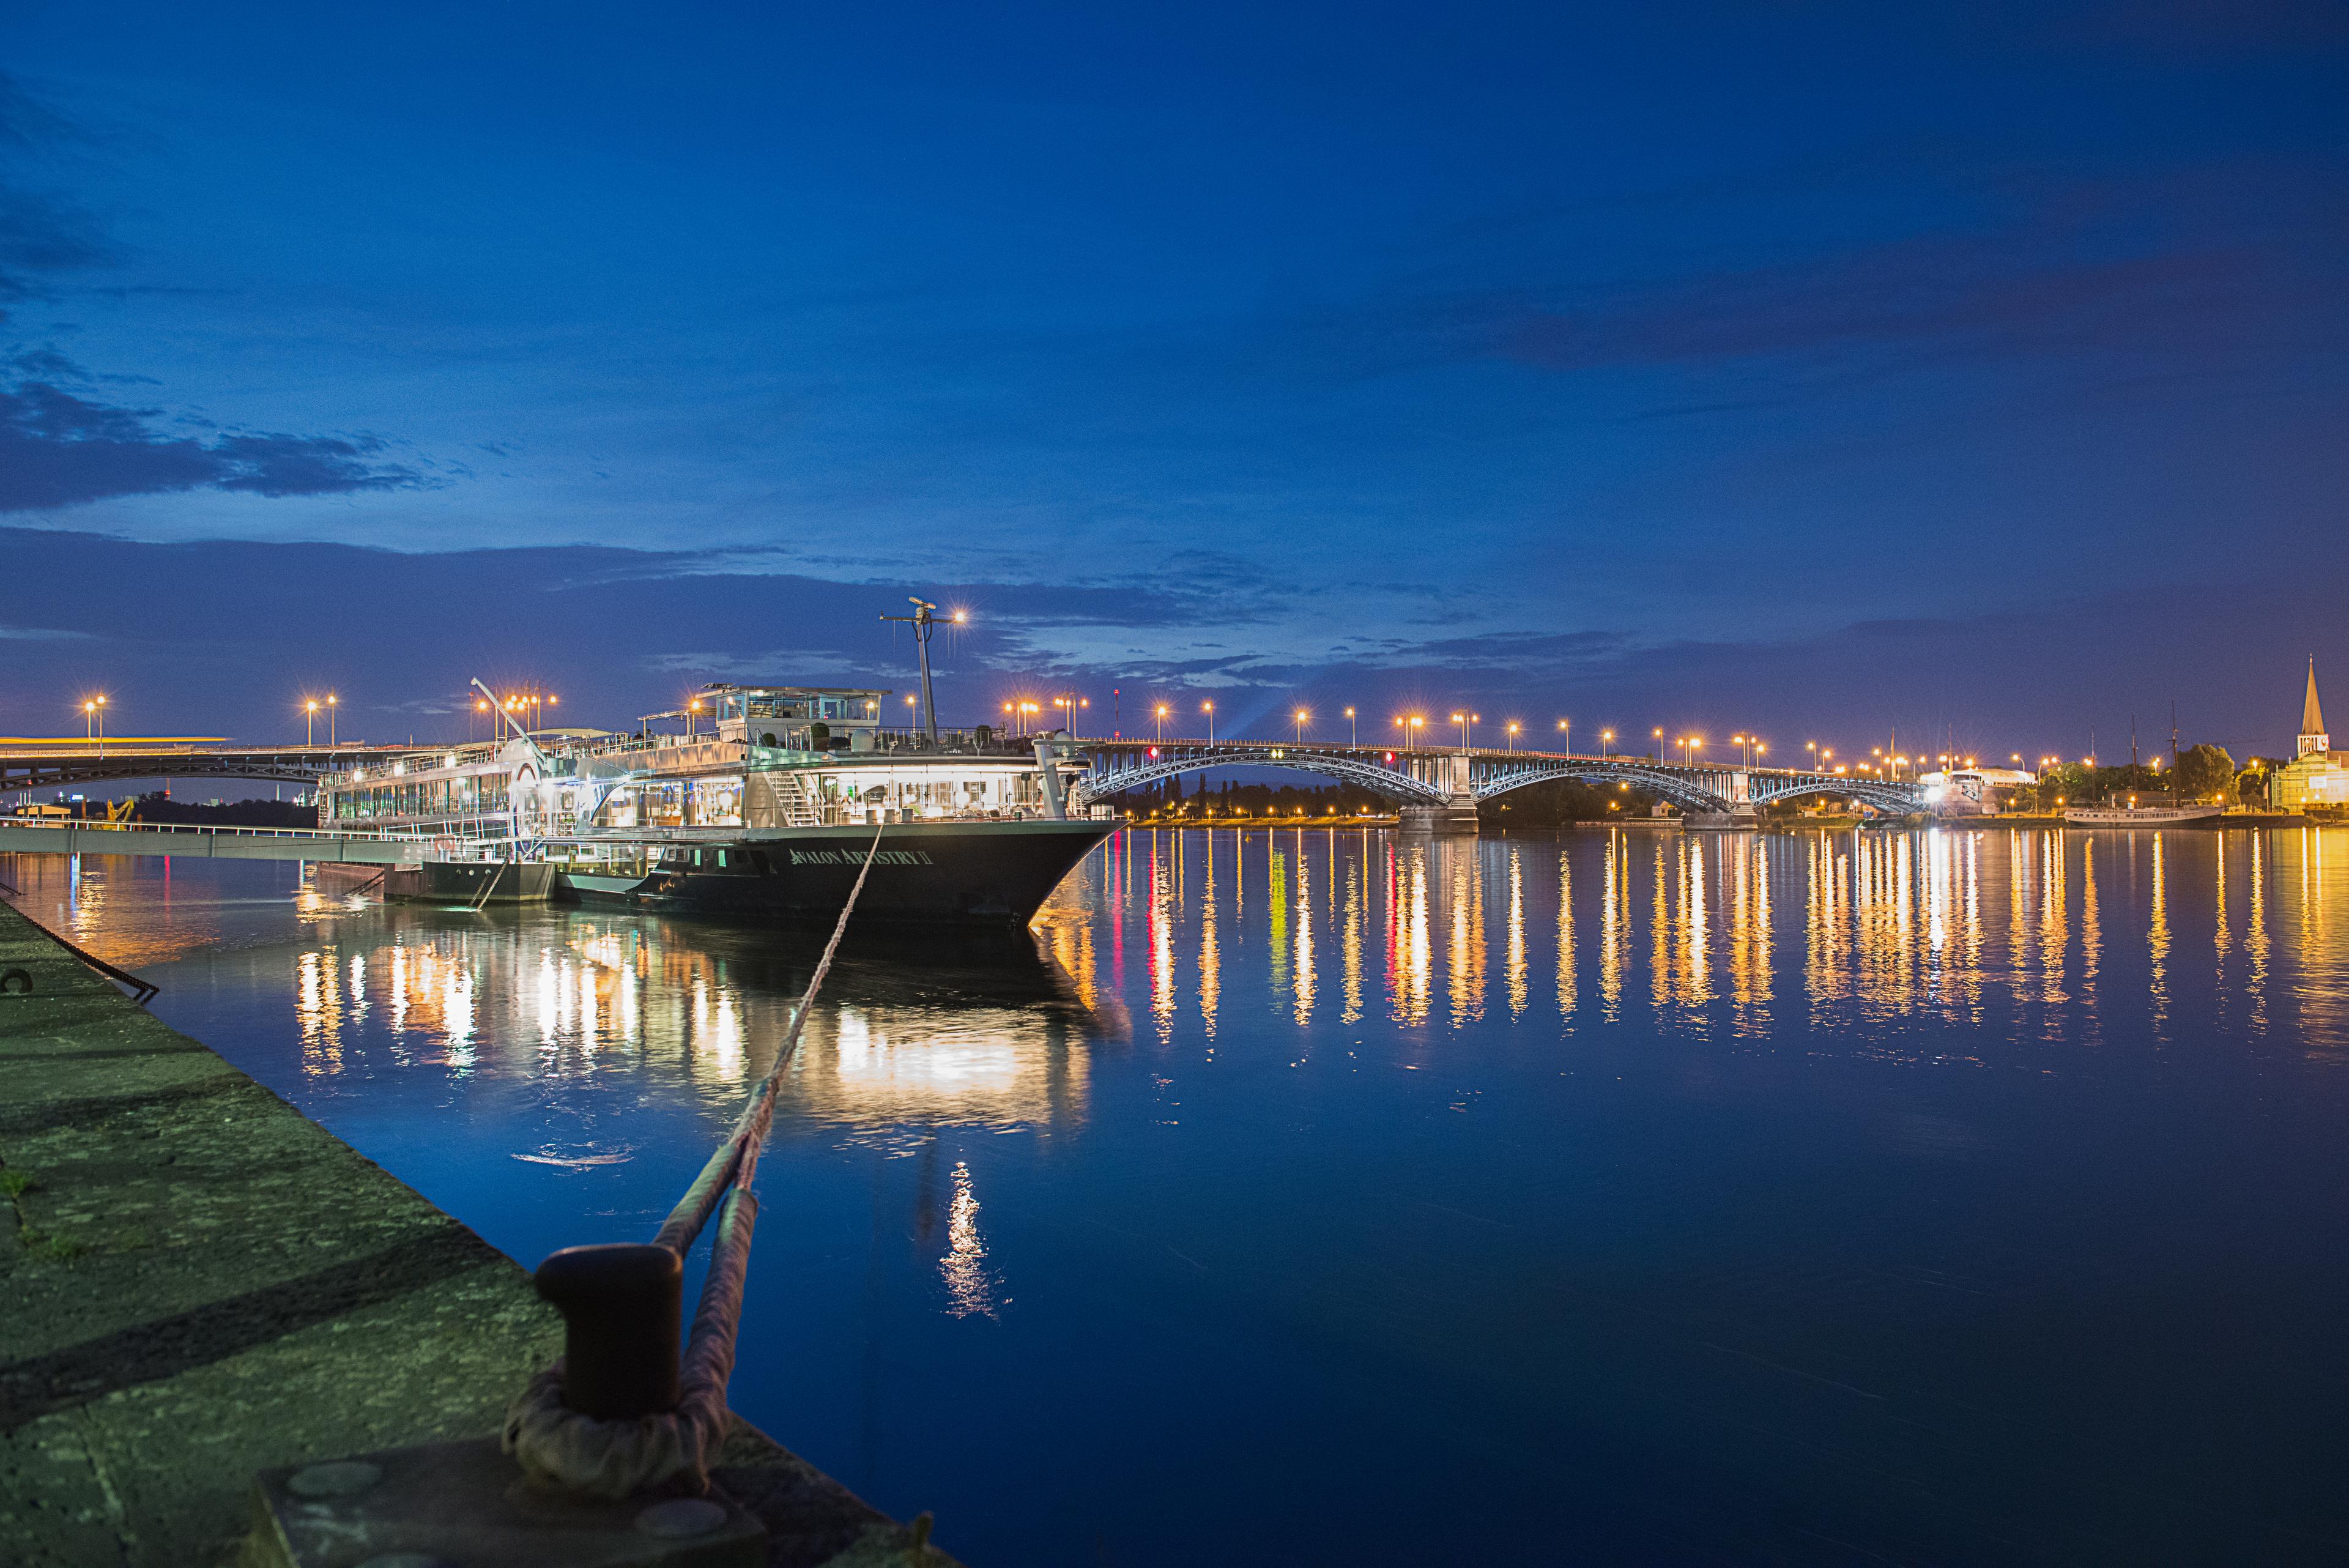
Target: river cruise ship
{"type": "Point", "coordinates": [2145, 815]}
{"type": "Point", "coordinates": [762, 809]}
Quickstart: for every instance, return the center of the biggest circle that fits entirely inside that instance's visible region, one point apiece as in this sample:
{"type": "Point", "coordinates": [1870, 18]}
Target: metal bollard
{"type": "Point", "coordinates": [620, 1315]}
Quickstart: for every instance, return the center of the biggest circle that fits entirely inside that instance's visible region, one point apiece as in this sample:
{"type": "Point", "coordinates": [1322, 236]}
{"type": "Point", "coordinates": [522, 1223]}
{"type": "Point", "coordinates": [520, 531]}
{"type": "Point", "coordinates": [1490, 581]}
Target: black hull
{"type": "Point", "coordinates": [928, 874]}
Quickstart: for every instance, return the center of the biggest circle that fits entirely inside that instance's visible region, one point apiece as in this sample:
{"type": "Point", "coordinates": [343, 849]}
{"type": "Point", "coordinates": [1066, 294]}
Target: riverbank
{"type": "Point", "coordinates": [202, 1283]}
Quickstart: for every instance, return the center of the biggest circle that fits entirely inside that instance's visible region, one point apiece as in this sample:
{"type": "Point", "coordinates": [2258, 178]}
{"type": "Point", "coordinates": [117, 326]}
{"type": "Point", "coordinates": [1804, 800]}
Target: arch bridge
{"type": "Point", "coordinates": [1451, 783]}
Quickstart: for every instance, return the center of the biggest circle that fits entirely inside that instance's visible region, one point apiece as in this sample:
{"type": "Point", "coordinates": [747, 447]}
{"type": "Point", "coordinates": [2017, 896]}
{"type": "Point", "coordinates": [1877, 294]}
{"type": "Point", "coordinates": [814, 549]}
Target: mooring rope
{"type": "Point", "coordinates": [613, 1458]}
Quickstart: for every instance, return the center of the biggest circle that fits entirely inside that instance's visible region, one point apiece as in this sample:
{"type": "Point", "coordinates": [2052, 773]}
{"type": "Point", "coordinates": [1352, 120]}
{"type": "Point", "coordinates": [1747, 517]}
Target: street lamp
{"type": "Point", "coordinates": [332, 703]}
{"type": "Point", "coordinates": [1606, 739]}
{"type": "Point", "coordinates": [1659, 745]}
{"type": "Point", "coordinates": [1162, 721]}
{"type": "Point", "coordinates": [1513, 735]}
{"type": "Point", "coordinates": [309, 720]}
{"type": "Point", "coordinates": [1353, 735]}
{"type": "Point", "coordinates": [1462, 720]}
{"type": "Point", "coordinates": [1301, 715]}
{"type": "Point", "coordinates": [1566, 736]}
{"type": "Point", "coordinates": [1209, 709]}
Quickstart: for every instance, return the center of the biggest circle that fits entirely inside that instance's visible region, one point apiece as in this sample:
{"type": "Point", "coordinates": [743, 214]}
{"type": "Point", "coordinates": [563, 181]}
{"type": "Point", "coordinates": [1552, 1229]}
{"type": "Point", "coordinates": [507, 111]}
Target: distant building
{"type": "Point", "coordinates": [2317, 775]}
{"type": "Point", "coordinates": [1972, 792]}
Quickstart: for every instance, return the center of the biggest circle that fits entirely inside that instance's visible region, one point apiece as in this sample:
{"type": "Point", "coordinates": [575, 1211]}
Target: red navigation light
{"type": "Point", "coordinates": [1389, 756]}
{"type": "Point", "coordinates": [1154, 751]}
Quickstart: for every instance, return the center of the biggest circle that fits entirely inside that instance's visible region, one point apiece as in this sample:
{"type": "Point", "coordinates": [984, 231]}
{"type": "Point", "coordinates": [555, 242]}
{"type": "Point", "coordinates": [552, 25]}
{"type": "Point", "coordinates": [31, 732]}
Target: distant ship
{"type": "Point", "coordinates": [767, 821]}
{"type": "Point", "coordinates": [2141, 816]}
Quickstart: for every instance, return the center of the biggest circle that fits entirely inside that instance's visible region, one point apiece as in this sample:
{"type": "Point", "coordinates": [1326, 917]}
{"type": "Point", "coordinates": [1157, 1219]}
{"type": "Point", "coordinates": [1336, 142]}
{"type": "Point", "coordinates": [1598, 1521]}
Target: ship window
{"type": "Point", "coordinates": [696, 858]}
{"type": "Point", "coordinates": [722, 860]}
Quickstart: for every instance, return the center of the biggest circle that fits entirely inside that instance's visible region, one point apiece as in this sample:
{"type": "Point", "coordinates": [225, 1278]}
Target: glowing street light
{"type": "Point", "coordinates": [1354, 734]}
{"type": "Point", "coordinates": [1606, 739]}
{"type": "Point", "coordinates": [1566, 736]}
{"type": "Point", "coordinates": [1300, 716]}
{"type": "Point", "coordinates": [1513, 735]}
{"type": "Point", "coordinates": [1162, 721]}
{"type": "Point", "coordinates": [309, 720]}
{"type": "Point", "coordinates": [93, 713]}
{"type": "Point", "coordinates": [1209, 709]}
{"type": "Point", "coordinates": [333, 702]}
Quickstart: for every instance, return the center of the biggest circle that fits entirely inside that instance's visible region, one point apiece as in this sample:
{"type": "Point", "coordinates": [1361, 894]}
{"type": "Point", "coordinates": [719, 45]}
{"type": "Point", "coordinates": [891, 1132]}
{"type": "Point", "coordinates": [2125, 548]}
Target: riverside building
{"type": "Point", "coordinates": [2317, 775]}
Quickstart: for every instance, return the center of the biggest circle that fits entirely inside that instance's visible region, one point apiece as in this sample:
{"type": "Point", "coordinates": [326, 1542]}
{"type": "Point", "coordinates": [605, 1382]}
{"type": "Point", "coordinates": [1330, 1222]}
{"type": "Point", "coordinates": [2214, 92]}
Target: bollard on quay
{"type": "Point", "coordinates": [622, 1311]}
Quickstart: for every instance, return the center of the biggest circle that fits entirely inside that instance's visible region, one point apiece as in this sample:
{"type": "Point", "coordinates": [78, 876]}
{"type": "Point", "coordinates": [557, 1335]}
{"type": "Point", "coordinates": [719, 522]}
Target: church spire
{"type": "Point", "coordinates": [2313, 737]}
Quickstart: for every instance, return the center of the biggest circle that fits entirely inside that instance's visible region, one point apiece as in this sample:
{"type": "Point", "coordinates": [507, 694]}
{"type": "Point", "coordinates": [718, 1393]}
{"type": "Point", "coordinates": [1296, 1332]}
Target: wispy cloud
{"type": "Point", "coordinates": [59, 449]}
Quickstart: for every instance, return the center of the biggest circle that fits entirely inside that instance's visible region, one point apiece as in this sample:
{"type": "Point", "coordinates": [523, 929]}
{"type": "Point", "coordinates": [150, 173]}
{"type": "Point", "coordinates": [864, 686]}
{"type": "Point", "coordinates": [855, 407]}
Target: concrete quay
{"type": "Point", "coordinates": [199, 1283]}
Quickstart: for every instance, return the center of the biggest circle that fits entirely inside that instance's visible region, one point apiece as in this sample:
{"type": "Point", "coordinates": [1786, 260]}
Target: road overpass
{"type": "Point", "coordinates": [34, 762]}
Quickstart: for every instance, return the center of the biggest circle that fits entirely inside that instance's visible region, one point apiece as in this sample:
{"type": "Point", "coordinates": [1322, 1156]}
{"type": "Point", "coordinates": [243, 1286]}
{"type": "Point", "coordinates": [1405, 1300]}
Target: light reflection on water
{"type": "Point", "coordinates": [1583, 1171]}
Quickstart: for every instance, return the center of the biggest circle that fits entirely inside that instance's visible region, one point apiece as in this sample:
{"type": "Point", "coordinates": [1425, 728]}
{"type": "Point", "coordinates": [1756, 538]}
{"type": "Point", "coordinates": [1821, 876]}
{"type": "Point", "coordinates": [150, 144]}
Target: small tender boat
{"type": "Point", "coordinates": [2141, 816]}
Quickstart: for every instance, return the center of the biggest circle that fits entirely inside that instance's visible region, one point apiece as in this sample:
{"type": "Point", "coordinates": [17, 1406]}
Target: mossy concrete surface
{"type": "Point", "coordinates": [197, 1282]}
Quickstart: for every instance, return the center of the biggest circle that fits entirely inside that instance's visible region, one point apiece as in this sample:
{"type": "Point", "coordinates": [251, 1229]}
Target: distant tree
{"type": "Point", "coordinates": [2252, 783]}
{"type": "Point", "coordinates": [2204, 772]}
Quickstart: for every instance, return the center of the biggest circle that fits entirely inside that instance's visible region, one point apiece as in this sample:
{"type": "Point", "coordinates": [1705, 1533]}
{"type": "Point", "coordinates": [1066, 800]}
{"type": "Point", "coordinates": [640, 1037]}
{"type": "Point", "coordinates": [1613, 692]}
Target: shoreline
{"type": "Point", "coordinates": [204, 1283]}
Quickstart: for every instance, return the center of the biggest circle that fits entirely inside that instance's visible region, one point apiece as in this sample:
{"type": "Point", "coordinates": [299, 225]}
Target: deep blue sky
{"type": "Point", "coordinates": [1817, 368]}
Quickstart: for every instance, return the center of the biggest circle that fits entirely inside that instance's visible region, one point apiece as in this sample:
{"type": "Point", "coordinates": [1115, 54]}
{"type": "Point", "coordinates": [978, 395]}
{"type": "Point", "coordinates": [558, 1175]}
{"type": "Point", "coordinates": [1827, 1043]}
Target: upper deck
{"type": "Point", "coordinates": [583, 783]}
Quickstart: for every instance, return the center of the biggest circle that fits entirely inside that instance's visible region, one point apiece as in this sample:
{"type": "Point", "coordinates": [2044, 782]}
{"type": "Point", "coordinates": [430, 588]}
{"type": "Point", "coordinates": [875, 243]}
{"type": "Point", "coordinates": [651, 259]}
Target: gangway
{"type": "Point", "coordinates": [91, 837]}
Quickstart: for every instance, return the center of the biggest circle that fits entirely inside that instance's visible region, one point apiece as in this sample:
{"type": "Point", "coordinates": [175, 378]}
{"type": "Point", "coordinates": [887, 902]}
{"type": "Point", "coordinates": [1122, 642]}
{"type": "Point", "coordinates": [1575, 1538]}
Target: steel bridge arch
{"type": "Point", "coordinates": [1097, 783]}
{"type": "Point", "coordinates": [1897, 799]}
{"type": "Point", "coordinates": [1679, 790]}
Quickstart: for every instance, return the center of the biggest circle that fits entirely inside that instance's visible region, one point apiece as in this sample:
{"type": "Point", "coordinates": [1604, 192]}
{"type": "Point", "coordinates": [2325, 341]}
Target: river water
{"type": "Point", "coordinates": [1332, 1196]}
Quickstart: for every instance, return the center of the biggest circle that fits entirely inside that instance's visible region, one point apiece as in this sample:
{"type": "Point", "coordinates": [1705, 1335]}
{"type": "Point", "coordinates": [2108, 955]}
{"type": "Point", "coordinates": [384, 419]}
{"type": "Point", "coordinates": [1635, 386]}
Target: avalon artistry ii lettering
{"type": "Point", "coordinates": [844, 858]}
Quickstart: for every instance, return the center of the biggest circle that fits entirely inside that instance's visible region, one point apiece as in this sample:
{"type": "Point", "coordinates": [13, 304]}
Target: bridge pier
{"type": "Point", "coordinates": [1457, 814]}
{"type": "Point", "coordinates": [1455, 817]}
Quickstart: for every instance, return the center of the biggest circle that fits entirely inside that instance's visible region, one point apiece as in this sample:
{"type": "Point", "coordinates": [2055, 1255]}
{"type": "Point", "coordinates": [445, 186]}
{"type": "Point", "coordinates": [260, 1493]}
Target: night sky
{"type": "Point", "coordinates": [1813, 368]}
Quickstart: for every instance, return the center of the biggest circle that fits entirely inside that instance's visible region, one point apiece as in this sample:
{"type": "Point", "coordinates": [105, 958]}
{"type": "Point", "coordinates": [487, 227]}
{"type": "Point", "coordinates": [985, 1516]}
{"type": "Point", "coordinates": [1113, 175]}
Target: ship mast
{"type": "Point", "coordinates": [924, 622]}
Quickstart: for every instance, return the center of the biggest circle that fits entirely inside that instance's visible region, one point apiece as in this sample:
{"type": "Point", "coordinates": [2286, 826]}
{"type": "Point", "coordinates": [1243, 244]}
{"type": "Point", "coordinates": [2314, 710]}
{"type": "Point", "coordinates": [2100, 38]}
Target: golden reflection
{"type": "Point", "coordinates": [1513, 960]}
{"type": "Point", "coordinates": [1303, 965]}
{"type": "Point", "coordinates": [1565, 989]}
{"type": "Point", "coordinates": [2157, 942]}
{"type": "Point", "coordinates": [2255, 936]}
{"type": "Point", "coordinates": [1660, 964]}
{"type": "Point", "coordinates": [1276, 914]}
{"type": "Point", "coordinates": [1162, 944]}
{"type": "Point", "coordinates": [1211, 963]}
{"type": "Point", "coordinates": [970, 1290]}
{"type": "Point", "coordinates": [1614, 920]}
{"type": "Point", "coordinates": [2091, 937]}
{"type": "Point", "coordinates": [318, 1010]}
{"type": "Point", "coordinates": [2052, 940]}
{"type": "Point", "coordinates": [1464, 954]}
{"type": "Point", "coordinates": [1352, 1012]}
{"type": "Point", "coordinates": [1410, 954]}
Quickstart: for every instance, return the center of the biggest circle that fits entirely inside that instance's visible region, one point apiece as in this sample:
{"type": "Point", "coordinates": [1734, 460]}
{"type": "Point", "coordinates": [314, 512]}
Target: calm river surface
{"type": "Point", "coordinates": [1947, 1197]}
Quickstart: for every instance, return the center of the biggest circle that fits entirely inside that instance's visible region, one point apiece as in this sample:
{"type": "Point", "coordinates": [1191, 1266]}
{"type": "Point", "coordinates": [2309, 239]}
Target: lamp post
{"type": "Point", "coordinates": [1161, 716]}
{"type": "Point", "coordinates": [1301, 715]}
{"type": "Point", "coordinates": [333, 702]}
{"type": "Point", "coordinates": [309, 720]}
{"type": "Point", "coordinates": [1513, 735]}
{"type": "Point", "coordinates": [1659, 745]}
{"type": "Point", "coordinates": [1606, 739]}
{"type": "Point", "coordinates": [1209, 709]}
{"type": "Point", "coordinates": [1353, 735]}
{"type": "Point", "coordinates": [1566, 736]}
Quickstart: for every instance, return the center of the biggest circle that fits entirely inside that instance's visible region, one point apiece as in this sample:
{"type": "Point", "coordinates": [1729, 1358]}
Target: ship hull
{"type": "Point", "coordinates": [928, 874]}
